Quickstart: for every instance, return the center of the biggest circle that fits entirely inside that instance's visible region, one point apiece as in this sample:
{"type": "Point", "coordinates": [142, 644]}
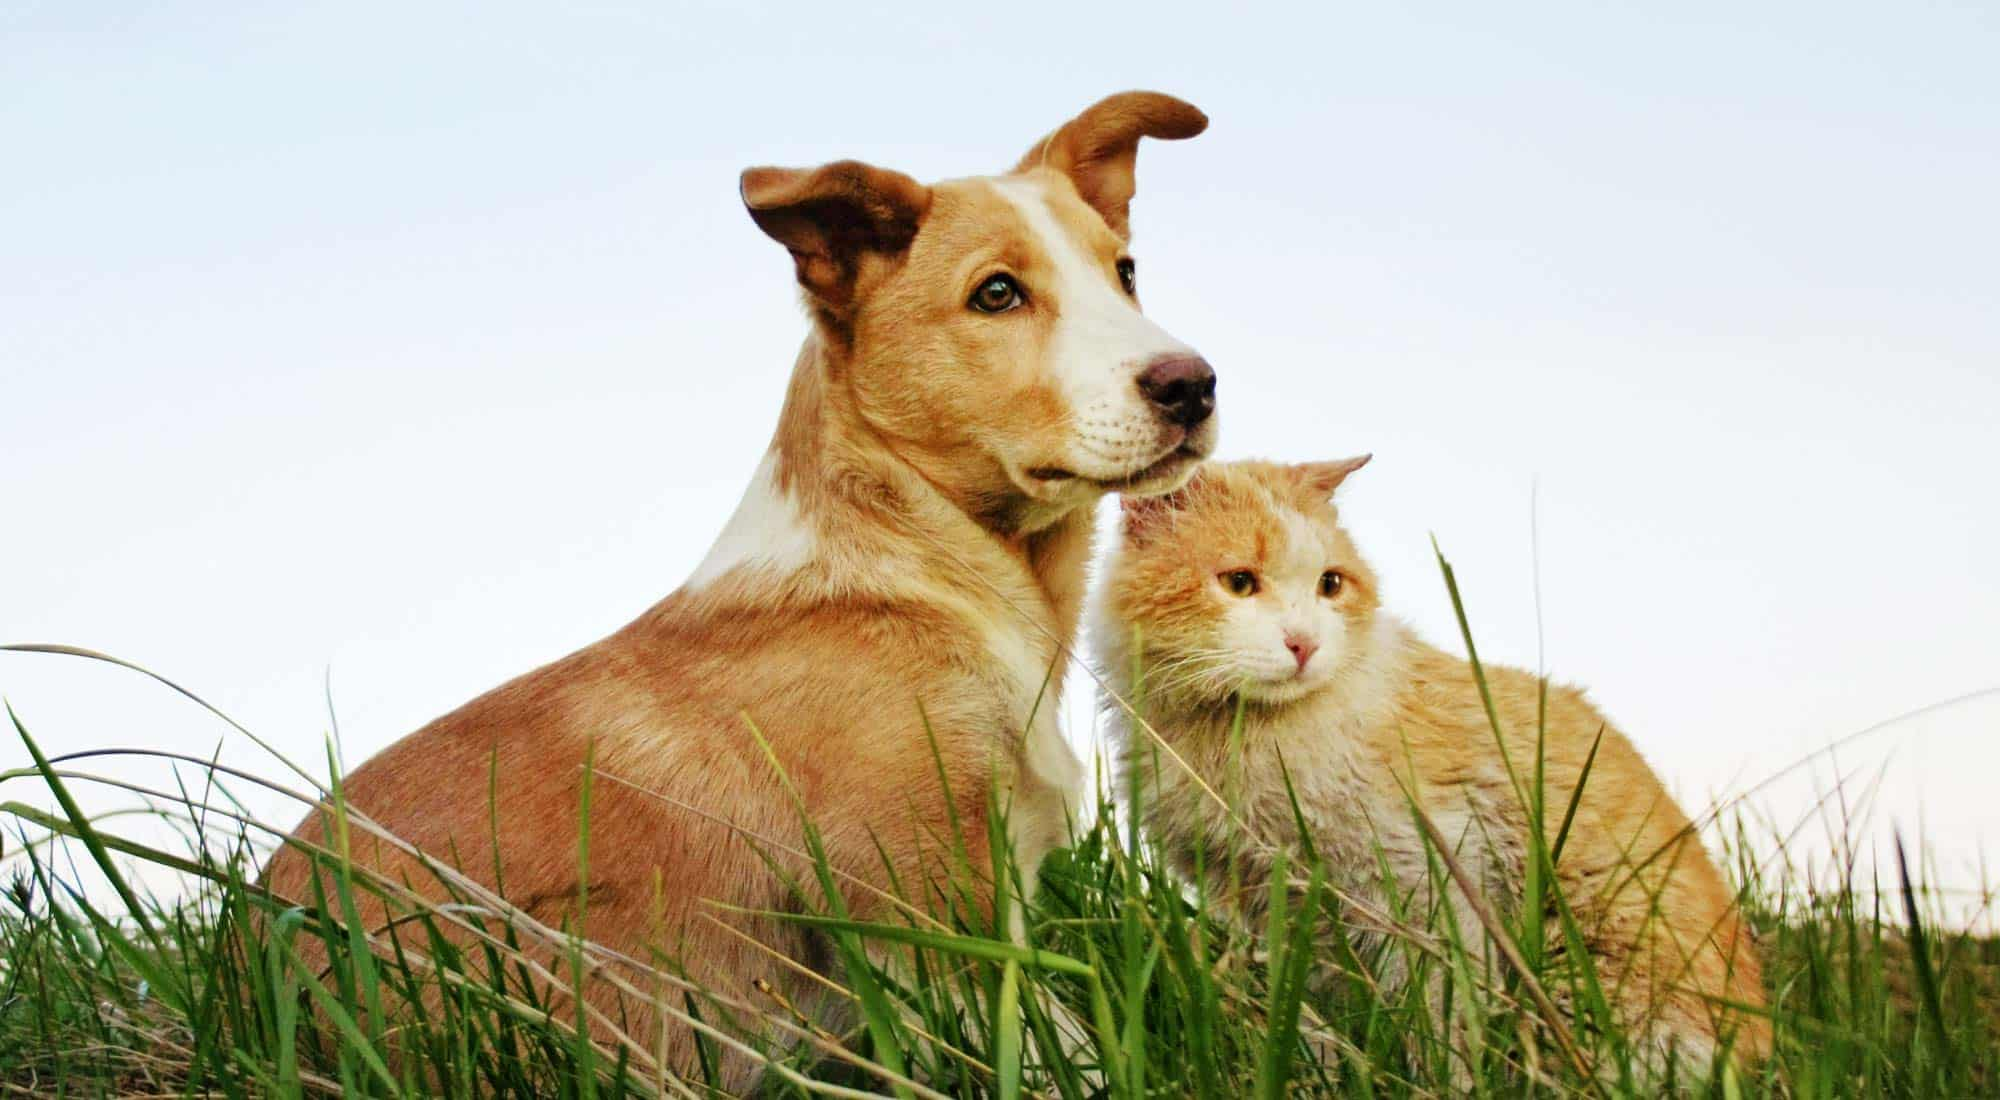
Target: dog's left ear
{"type": "Point", "coordinates": [833, 218]}
{"type": "Point", "coordinates": [1097, 148]}
{"type": "Point", "coordinates": [1322, 478]}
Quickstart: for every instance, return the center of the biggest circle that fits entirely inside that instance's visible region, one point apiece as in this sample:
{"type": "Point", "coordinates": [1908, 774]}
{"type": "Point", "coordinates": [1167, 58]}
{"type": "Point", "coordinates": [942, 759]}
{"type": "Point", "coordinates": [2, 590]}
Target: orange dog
{"type": "Point", "coordinates": [907, 564]}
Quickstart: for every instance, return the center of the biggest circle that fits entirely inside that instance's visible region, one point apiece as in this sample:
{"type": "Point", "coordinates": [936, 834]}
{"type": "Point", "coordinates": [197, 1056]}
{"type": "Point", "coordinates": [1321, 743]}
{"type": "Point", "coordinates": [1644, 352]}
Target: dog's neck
{"type": "Point", "coordinates": [837, 512]}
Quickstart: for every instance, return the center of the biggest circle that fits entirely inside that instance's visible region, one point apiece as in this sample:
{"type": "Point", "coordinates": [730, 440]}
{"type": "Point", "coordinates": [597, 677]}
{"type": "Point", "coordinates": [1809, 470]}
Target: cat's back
{"type": "Point", "coordinates": [1442, 712]}
{"type": "Point", "coordinates": [1624, 824]}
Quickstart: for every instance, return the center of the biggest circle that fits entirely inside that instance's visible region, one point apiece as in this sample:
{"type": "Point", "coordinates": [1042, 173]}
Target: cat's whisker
{"type": "Point", "coordinates": [1175, 673]}
{"type": "Point", "coordinates": [1192, 674]}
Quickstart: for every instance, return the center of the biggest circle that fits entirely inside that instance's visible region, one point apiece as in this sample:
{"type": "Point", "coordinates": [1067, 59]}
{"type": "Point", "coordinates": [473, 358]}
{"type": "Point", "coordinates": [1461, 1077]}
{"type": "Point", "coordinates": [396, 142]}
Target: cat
{"type": "Point", "coordinates": [1242, 595]}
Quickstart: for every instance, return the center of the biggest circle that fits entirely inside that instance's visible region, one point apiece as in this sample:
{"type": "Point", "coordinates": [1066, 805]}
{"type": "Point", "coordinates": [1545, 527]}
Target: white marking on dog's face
{"type": "Point", "coordinates": [1099, 345]}
{"type": "Point", "coordinates": [765, 532]}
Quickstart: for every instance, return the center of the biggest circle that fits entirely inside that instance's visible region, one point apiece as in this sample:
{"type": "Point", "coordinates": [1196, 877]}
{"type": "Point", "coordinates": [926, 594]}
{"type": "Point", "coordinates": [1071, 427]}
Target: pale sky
{"type": "Point", "coordinates": [422, 344]}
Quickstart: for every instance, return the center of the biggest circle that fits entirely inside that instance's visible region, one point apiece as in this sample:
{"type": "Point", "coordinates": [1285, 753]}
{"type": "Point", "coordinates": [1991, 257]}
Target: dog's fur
{"type": "Point", "coordinates": [906, 565]}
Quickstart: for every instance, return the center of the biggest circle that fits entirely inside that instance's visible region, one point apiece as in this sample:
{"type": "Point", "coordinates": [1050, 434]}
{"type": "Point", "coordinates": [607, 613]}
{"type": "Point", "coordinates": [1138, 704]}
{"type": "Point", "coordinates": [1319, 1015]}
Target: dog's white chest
{"type": "Point", "coordinates": [1048, 781]}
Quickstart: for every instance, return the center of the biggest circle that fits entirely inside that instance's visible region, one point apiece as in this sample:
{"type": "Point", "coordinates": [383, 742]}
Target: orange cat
{"type": "Point", "coordinates": [1242, 591]}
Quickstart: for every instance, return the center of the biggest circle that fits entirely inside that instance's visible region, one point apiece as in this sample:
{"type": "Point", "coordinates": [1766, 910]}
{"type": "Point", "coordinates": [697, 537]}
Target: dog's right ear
{"type": "Point", "coordinates": [1097, 149]}
{"type": "Point", "coordinates": [832, 218]}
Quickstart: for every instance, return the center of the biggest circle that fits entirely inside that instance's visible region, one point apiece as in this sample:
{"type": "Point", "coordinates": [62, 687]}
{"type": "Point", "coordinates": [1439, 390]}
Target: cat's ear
{"type": "Point", "coordinates": [1322, 478]}
{"type": "Point", "coordinates": [1142, 516]}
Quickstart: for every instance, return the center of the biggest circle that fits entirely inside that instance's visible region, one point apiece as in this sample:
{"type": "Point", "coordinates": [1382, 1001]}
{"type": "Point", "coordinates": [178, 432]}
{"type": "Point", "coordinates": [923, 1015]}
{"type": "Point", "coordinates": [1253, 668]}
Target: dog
{"type": "Point", "coordinates": [867, 641]}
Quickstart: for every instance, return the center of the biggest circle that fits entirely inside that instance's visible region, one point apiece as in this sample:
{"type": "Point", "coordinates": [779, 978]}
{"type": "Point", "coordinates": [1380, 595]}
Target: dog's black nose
{"type": "Point", "coordinates": [1183, 387]}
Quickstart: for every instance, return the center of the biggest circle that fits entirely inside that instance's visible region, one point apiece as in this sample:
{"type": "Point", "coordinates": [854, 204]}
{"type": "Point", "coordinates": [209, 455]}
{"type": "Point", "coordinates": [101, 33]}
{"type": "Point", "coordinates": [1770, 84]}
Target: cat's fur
{"type": "Point", "coordinates": [1371, 718]}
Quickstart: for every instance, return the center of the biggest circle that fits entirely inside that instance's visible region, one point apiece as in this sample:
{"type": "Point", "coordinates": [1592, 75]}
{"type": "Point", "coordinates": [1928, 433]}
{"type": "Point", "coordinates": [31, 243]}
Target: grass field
{"type": "Point", "coordinates": [1122, 987]}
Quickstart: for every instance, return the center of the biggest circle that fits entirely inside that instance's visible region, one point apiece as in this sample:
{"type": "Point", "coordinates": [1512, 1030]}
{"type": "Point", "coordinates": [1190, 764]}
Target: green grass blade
{"type": "Point", "coordinates": [1575, 800]}
{"type": "Point", "coordinates": [971, 947]}
{"type": "Point", "coordinates": [1289, 970]}
{"type": "Point", "coordinates": [82, 830]}
{"type": "Point", "coordinates": [1931, 1004]}
{"type": "Point", "coordinates": [357, 1043]}
{"type": "Point", "coordinates": [1007, 1033]}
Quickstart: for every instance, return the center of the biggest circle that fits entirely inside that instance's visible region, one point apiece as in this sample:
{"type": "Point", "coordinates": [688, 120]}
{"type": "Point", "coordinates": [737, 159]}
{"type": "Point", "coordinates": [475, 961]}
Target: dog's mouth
{"type": "Point", "coordinates": [1168, 464]}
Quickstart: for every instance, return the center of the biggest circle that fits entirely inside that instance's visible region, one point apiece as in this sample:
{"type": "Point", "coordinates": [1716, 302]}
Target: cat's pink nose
{"type": "Point", "coordinates": [1302, 648]}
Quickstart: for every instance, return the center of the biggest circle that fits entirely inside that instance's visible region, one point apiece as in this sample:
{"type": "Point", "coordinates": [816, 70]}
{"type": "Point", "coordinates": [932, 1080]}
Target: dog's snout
{"type": "Point", "coordinates": [1182, 387]}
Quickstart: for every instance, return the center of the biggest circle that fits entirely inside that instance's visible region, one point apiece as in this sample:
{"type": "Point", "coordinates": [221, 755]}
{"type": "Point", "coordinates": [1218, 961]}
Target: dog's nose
{"type": "Point", "coordinates": [1183, 387]}
{"type": "Point", "coordinates": [1302, 648]}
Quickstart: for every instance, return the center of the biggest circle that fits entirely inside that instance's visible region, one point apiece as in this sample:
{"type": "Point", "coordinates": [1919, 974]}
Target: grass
{"type": "Point", "coordinates": [1122, 984]}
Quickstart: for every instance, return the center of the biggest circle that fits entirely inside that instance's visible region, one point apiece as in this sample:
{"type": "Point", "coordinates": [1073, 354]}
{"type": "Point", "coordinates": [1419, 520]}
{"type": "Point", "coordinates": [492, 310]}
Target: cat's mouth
{"type": "Point", "coordinates": [1279, 689]}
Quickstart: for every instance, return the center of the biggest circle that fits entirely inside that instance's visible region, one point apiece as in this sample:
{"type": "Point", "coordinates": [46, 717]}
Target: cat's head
{"type": "Point", "coordinates": [1242, 582]}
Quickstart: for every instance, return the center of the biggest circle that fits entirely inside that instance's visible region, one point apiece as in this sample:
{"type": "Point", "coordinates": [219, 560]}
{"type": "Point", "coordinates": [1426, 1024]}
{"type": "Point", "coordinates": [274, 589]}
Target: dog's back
{"type": "Point", "coordinates": [686, 807]}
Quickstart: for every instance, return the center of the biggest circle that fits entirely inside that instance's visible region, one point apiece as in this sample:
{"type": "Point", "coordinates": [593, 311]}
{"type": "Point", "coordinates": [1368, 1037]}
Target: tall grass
{"type": "Point", "coordinates": [1111, 977]}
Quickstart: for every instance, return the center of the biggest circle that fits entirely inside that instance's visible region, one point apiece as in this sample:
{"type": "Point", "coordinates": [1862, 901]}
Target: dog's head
{"type": "Point", "coordinates": [988, 329]}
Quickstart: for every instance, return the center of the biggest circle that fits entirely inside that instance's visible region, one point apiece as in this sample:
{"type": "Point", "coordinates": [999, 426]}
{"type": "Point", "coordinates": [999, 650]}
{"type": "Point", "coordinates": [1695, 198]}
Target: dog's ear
{"type": "Point", "coordinates": [1097, 148]}
{"type": "Point", "coordinates": [1320, 479]}
{"type": "Point", "coordinates": [832, 217]}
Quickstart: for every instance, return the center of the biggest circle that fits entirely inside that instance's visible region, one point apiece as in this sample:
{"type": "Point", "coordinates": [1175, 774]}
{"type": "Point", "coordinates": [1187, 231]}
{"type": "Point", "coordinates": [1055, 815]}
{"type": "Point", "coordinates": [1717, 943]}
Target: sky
{"type": "Point", "coordinates": [353, 360]}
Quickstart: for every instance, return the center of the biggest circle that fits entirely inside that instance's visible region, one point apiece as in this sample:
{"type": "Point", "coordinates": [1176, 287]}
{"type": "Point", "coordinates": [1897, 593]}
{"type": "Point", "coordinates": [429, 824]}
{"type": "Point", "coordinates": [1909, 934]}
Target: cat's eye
{"type": "Point", "coordinates": [1239, 582]}
{"type": "Point", "coordinates": [998, 294]}
{"type": "Point", "coordinates": [1128, 275]}
{"type": "Point", "coordinates": [1330, 583]}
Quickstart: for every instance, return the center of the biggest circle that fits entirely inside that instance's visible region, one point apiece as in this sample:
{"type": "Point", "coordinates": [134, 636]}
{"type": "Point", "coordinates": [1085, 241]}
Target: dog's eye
{"type": "Point", "coordinates": [1128, 274]}
{"type": "Point", "coordinates": [1239, 582]}
{"type": "Point", "coordinates": [997, 294]}
{"type": "Point", "coordinates": [1330, 583]}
